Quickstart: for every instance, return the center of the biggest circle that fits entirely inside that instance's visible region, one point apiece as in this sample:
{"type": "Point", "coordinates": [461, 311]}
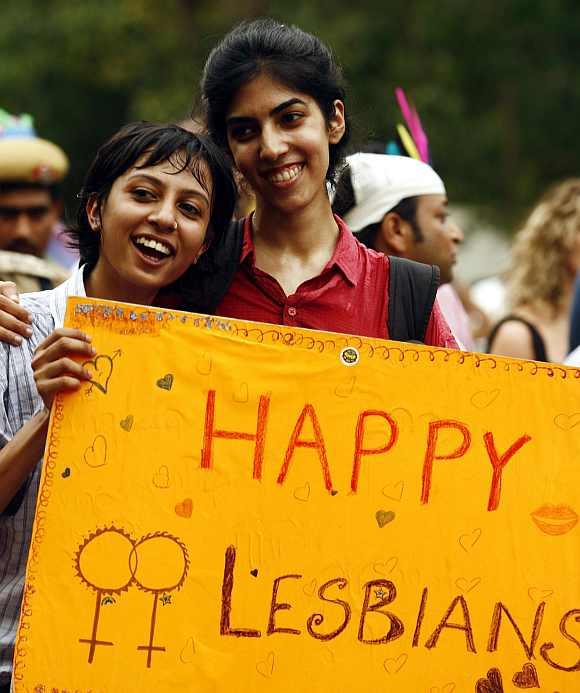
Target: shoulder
{"type": "Point", "coordinates": [22, 263]}
{"type": "Point", "coordinates": [512, 337]}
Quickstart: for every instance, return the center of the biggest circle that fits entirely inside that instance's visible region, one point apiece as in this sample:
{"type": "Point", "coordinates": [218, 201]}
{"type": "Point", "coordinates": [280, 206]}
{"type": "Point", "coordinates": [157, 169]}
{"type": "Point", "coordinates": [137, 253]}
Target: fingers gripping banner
{"type": "Point", "coordinates": [230, 506]}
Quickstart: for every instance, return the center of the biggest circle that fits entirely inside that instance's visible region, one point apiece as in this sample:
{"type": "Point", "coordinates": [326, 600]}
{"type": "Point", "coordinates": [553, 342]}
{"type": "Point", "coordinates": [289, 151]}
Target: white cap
{"type": "Point", "coordinates": [381, 181]}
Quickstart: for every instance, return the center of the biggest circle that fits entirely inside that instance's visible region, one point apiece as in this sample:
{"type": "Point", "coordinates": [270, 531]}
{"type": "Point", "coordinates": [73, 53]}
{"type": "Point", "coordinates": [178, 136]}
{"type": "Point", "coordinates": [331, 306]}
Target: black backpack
{"type": "Point", "coordinates": [412, 286]}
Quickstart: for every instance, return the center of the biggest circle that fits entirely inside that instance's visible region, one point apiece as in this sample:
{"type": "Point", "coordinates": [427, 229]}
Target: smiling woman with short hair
{"type": "Point", "coordinates": [147, 211]}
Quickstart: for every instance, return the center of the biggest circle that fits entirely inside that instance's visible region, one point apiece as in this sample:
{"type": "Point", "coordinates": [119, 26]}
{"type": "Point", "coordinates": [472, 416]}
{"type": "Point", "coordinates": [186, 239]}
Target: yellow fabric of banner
{"type": "Point", "coordinates": [231, 506]}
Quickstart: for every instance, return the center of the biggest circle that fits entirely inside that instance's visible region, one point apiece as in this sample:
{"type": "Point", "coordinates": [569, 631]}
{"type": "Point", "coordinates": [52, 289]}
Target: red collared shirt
{"type": "Point", "coordinates": [350, 295]}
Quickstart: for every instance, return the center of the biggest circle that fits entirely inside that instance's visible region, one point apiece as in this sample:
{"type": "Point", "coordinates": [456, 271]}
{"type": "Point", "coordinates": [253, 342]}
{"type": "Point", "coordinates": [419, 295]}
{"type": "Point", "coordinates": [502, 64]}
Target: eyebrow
{"type": "Point", "coordinates": [153, 179]}
{"type": "Point", "coordinates": [237, 120]}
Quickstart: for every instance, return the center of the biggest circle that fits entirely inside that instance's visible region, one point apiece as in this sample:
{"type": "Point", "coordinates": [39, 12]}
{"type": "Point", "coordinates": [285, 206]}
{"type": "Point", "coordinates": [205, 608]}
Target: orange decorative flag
{"type": "Point", "coordinates": [232, 506]}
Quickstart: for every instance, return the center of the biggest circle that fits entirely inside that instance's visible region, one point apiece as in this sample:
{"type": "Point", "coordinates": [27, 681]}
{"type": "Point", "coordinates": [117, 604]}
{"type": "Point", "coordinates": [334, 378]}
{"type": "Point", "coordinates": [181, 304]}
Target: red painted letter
{"type": "Point", "coordinates": [498, 463]}
{"type": "Point", "coordinates": [210, 432]}
{"type": "Point", "coordinates": [360, 450]}
{"type": "Point", "coordinates": [317, 443]}
{"type": "Point", "coordinates": [430, 455]}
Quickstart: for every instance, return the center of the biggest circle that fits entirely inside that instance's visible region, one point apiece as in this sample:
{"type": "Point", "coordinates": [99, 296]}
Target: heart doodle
{"type": "Point", "coordinates": [161, 477]}
{"type": "Point", "coordinates": [383, 517]}
{"type": "Point", "coordinates": [310, 588]}
{"type": "Point", "coordinates": [468, 541]}
{"type": "Point", "coordinates": [346, 388]}
{"type": "Point", "coordinates": [302, 493]}
{"type": "Point", "coordinates": [185, 508]}
{"type": "Point", "coordinates": [466, 585]}
{"type": "Point", "coordinates": [447, 688]}
{"type": "Point", "coordinates": [491, 684]}
{"type": "Point", "coordinates": [100, 369]}
{"type": "Point", "coordinates": [96, 454]}
{"type": "Point", "coordinates": [394, 491]}
{"type": "Point", "coordinates": [328, 655]}
{"type": "Point", "coordinates": [266, 667]}
{"type": "Point", "coordinates": [539, 594]}
{"type": "Point", "coordinates": [393, 665]}
{"type": "Point", "coordinates": [241, 395]}
{"type": "Point", "coordinates": [254, 572]}
{"type": "Point", "coordinates": [127, 423]}
{"type": "Point", "coordinates": [187, 654]}
{"type": "Point", "coordinates": [527, 677]}
{"type": "Point", "coordinates": [166, 382]}
{"type": "Point", "coordinates": [204, 365]}
{"type": "Point", "coordinates": [483, 399]}
{"type": "Point", "coordinates": [566, 422]}
{"type": "Point", "coordinates": [386, 567]}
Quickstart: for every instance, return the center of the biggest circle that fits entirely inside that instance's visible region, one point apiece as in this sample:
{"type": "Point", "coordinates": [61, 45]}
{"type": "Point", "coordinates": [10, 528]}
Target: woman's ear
{"type": "Point", "coordinates": [337, 124]}
{"type": "Point", "coordinates": [93, 209]}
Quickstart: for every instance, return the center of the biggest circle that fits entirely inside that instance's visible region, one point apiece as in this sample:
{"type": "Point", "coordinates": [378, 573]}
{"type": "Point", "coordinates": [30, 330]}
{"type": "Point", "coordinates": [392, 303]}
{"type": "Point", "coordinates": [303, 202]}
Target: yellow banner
{"type": "Point", "coordinates": [231, 506]}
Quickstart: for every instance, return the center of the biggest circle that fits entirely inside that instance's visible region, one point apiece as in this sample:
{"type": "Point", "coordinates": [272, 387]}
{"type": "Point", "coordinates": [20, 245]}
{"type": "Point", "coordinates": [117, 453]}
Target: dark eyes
{"type": "Point", "coordinates": [189, 209]}
{"type": "Point", "coordinates": [144, 195]}
{"type": "Point", "coordinates": [244, 133]}
{"type": "Point", "coordinates": [241, 133]}
{"type": "Point", "coordinates": [292, 117]}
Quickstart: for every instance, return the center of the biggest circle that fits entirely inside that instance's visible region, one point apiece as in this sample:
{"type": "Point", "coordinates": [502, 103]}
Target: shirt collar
{"type": "Point", "coordinates": [73, 286]}
{"type": "Point", "coordinates": [345, 256]}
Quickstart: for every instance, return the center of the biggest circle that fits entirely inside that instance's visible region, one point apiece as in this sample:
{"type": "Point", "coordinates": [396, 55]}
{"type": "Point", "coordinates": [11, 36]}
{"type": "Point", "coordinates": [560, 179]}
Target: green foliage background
{"type": "Point", "coordinates": [496, 83]}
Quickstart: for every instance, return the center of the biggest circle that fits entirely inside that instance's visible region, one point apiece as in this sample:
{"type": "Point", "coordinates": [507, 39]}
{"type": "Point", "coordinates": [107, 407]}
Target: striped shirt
{"type": "Point", "coordinates": [21, 402]}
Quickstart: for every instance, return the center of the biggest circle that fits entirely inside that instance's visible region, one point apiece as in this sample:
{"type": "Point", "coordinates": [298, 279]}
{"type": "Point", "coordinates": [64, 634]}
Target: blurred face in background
{"type": "Point", "coordinates": [440, 235]}
{"type": "Point", "coordinates": [27, 217]}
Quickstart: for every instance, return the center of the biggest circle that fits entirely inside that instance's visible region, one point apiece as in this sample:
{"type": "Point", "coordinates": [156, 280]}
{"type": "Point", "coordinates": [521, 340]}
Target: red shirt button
{"type": "Point", "coordinates": [291, 311]}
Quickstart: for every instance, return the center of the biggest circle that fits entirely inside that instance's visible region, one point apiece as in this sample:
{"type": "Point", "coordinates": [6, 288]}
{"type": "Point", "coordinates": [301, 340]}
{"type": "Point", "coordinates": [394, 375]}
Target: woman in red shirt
{"type": "Point", "coordinates": [274, 98]}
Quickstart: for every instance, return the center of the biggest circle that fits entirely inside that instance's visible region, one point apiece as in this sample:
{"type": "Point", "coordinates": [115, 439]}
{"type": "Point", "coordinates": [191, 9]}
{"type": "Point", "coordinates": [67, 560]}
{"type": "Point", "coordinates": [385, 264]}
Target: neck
{"type": "Point", "coordinates": [304, 232]}
{"type": "Point", "coordinates": [98, 285]}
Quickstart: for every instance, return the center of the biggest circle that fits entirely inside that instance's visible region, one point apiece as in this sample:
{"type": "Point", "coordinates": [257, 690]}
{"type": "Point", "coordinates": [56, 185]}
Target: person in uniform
{"type": "Point", "coordinates": [31, 170]}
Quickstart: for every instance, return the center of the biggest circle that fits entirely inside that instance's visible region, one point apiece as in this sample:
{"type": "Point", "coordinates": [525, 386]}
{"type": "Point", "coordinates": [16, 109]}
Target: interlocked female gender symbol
{"type": "Point", "coordinates": [163, 552]}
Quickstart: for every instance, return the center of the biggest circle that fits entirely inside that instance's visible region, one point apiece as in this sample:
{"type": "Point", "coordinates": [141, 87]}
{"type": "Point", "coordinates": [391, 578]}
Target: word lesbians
{"type": "Point", "coordinates": [497, 460]}
{"type": "Point", "coordinates": [380, 593]}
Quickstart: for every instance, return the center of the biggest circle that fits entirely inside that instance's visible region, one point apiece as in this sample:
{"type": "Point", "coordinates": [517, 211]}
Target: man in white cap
{"type": "Point", "coordinates": [398, 206]}
{"type": "Point", "coordinates": [30, 171]}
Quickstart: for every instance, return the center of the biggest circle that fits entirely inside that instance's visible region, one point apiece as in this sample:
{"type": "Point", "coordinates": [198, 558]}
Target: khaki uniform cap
{"type": "Point", "coordinates": [31, 160]}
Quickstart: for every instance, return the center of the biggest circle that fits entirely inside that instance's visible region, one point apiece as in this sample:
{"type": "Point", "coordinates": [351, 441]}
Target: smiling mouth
{"type": "Point", "coordinates": [151, 249]}
{"type": "Point", "coordinates": [286, 175]}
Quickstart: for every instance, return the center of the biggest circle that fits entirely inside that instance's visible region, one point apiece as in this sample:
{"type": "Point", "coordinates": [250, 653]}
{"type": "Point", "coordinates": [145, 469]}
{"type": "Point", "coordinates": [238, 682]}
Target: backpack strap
{"type": "Point", "coordinates": [412, 290]}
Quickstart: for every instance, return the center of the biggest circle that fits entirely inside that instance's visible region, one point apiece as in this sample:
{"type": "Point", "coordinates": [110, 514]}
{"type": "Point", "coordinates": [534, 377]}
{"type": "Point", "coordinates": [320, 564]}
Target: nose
{"type": "Point", "coordinates": [455, 231]}
{"type": "Point", "coordinates": [22, 228]}
{"type": "Point", "coordinates": [273, 144]}
{"type": "Point", "coordinates": [163, 216]}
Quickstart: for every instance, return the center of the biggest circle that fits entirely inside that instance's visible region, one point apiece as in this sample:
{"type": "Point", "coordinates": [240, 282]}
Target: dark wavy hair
{"type": "Point", "coordinates": [289, 55]}
{"type": "Point", "coordinates": [154, 143]}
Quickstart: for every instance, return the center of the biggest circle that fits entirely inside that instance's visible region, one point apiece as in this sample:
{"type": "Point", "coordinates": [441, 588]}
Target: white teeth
{"type": "Point", "coordinates": [286, 175]}
{"type": "Point", "coordinates": [154, 245]}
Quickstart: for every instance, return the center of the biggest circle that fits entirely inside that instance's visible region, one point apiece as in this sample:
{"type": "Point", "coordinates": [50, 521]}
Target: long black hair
{"type": "Point", "coordinates": [289, 55]}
